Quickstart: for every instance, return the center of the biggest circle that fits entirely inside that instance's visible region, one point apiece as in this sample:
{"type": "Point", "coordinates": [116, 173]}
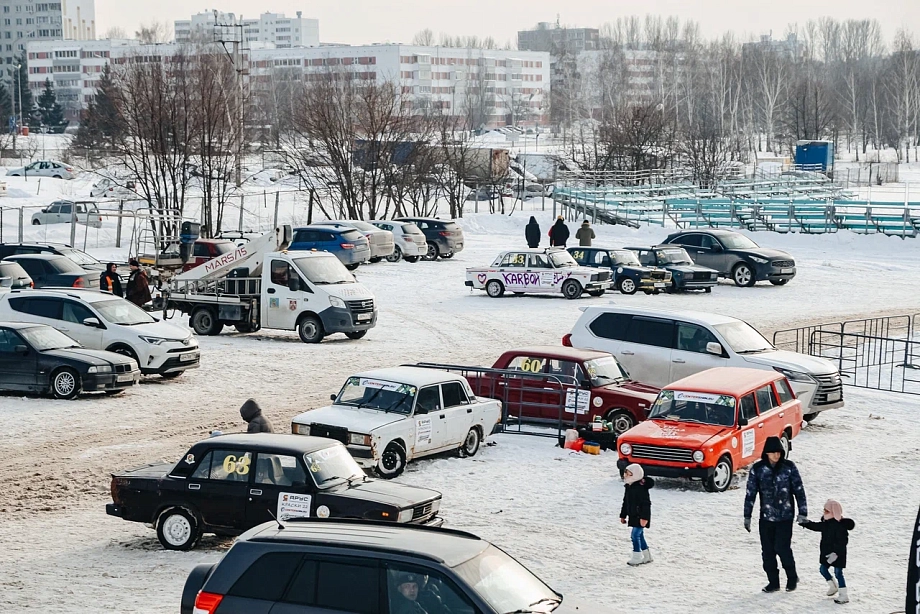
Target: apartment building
{"type": "Point", "coordinates": [26, 21]}
{"type": "Point", "coordinates": [271, 28]}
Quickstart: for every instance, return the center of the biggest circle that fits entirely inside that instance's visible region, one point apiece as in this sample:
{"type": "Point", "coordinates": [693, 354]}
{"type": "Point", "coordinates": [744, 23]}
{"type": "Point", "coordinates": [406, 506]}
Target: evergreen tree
{"type": "Point", "coordinates": [6, 106]}
{"type": "Point", "coordinates": [100, 124]}
{"type": "Point", "coordinates": [49, 112]}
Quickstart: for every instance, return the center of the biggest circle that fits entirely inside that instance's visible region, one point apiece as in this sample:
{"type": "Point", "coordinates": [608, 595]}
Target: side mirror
{"type": "Point", "coordinates": [714, 348]}
{"type": "Point", "coordinates": [421, 411]}
{"type": "Point", "coordinates": [716, 247]}
{"type": "Point", "coordinates": [21, 349]}
{"type": "Point", "coordinates": [742, 421]}
{"type": "Point", "coordinates": [93, 322]}
{"type": "Point", "coordinates": [294, 283]}
{"type": "Point", "coordinates": [333, 396]}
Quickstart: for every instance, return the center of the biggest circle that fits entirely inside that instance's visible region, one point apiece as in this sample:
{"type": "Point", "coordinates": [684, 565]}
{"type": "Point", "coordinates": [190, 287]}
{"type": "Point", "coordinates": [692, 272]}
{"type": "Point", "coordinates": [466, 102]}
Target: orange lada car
{"type": "Point", "coordinates": [709, 425]}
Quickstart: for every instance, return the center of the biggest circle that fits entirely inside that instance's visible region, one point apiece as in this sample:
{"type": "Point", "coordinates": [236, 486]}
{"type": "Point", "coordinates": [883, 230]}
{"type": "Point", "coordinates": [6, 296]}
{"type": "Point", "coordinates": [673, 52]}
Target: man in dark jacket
{"type": "Point", "coordinates": [110, 281]}
{"type": "Point", "coordinates": [252, 413]}
{"type": "Point", "coordinates": [405, 599]}
{"type": "Point", "coordinates": [558, 233]}
{"type": "Point", "coordinates": [777, 481]}
{"type": "Point", "coordinates": [138, 285]}
{"type": "Point", "coordinates": [532, 233]}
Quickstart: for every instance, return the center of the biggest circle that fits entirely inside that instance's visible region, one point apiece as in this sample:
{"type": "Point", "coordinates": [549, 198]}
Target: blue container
{"type": "Point", "coordinates": [815, 154]}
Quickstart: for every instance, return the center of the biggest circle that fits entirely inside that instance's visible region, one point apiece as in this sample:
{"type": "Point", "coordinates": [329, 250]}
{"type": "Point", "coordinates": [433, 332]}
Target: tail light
{"type": "Point", "coordinates": [408, 239]}
{"type": "Point", "coordinates": [567, 340]}
{"type": "Point", "coordinates": [79, 282]}
{"type": "Point", "coordinates": [348, 245]}
{"type": "Point", "coordinates": [206, 603]}
{"type": "Point", "coordinates": [445, 233]}
{"type": "Point", "coordinates": [31, 284]}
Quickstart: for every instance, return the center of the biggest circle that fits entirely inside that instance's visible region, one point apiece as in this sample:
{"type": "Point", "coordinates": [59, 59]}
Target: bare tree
{"type": "Point", "coordinates": [424, 38]}
{"type": "Point", "coordinates": [153, 33]}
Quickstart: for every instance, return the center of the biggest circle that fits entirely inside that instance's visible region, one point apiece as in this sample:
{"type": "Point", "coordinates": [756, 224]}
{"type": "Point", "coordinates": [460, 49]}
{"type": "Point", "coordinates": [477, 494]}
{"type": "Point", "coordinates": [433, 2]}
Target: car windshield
{"type": "Point", "coordinates": [65, 265]}
{"type": "Point", "coordinates": [323, 271]}
{"type": "Point", "coordinates": [703, 408]}
{"type": "Point", "coordinates": [361, 225]}
{"type": "Point", "coordinates": [120, 311]}
{"type": "Point", "coordinates": [737, 242]}
{"type": "Point", "coordinates": [332, 465]}
{"type": "Point", "coordinates": [673, 256]}
{"type": "Point", "coordinates": [223, 248]}
{"type": "Point", "coordinates": [562, 259]}
{"type": "Point", "coordinates": [625, 257]}
{"type": "Point", "coordinates": [44, 338]}
{"type": "Point", "coordinates": [352, 236]}
{"type": "Point", "coordinates": [81, 258]}
{"type": "Point", "coordinates": [411, 229]}
{"type": "Point", "coordinates": [743, 338]}
{"type": "Point", "coordinates": [505, 584]}
{"type": "Point", "coordinates": [604, 371]}
{"type": "Point", "coordinates": [377, 394]}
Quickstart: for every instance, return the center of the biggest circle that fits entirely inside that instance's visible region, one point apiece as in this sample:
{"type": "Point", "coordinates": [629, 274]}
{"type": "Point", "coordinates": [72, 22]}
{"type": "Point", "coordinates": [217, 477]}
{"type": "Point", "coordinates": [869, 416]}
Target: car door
{"type": "Point", "coordinates": [513, 267]}
{"type": "Point", "coordinates": [38, 310]}
{"type": "Point", "coordinates": [72, 316]}
{"type": "Point", "coordinates": [219, 487]}
{"type": "Point", "coordinates": [326, 584]}
{"type": "Point", "coordinates": [768, 407]}
{"type": "Point", "coordinates": [279, 485]}
{"type": "Point", "coordinates": [64, 214]}
{"type": "Point", "coordinates": [540, 275]}
{"type": "Point", "coordinates": [18, 370]}
{"type": "Point", "coordinates": [50, 214]}
{"type": "Point", "coordinates": [753, 431]}
{"type": "Point", "coordinates": [457, 414]}
{"type": "Point", "coordinates": [575, 398]}
{"type": "Point", "coordinates": [429, 432]}
{"type": "Point", "coordinates": [526, 397]}
{"type": "Point", "coordinates": [44, 169]}
{"type": "Point", "coordinates": [646, 351]}
{"type": "Point", "coordinates": [283, 305]}
{"type": "Point", "coordinates": [689, 355]}
{"type": "Point", "coordinates": [607, 333]}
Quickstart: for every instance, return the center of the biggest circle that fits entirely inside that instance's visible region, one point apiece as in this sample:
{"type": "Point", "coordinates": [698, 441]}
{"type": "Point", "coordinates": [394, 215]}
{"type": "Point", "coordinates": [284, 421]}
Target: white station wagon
{"type": "Point", "coordinates": [389, 417]}
{"type": "Point", "coordinates": [534, 271]}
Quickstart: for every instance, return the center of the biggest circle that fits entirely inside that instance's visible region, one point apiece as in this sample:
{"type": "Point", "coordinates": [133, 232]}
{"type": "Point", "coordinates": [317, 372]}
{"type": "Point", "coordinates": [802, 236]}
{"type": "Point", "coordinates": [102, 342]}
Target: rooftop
{"type": "Point", "coordinates": [725, 380]}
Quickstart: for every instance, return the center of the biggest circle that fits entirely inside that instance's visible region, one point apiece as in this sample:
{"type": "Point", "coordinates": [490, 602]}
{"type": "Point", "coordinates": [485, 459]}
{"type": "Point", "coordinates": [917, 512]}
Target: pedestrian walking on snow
{"type": "Point", "coordinates": [835, 533]}
{"type": "Point", "coordinates": [778, 482]}
{"type": "Point", "coordinates": [637, 511]}
{"type": "Point", "coordinates": [558, 233]}
{"type": "Point", "coordinates": [585, 234]}
{"type": "Point", "coordinates": [252, 414]}
{"type": "Point", "coordinates": [532, 233]}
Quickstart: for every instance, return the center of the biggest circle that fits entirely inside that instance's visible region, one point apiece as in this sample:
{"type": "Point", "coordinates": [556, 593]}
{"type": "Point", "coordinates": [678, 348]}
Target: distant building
{"type": "Point", "coordinates": [25, 21]}
{"type": "Point", "coordinates": [554, 39]}
{"type": "Point", "coordinates": [788, 47]}
{"type": "Point", "coordinates": [272, 28]}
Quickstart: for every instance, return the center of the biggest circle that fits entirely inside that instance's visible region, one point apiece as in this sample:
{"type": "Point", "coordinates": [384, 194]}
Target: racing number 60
{"type": "Point", "coordinates": [240, 465]}
{"type": "Point", "coordinates": [532, 365]}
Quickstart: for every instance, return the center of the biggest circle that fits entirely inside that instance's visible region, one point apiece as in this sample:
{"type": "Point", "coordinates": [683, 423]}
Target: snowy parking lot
{"type": "Point", "coordinates": [62, 553]}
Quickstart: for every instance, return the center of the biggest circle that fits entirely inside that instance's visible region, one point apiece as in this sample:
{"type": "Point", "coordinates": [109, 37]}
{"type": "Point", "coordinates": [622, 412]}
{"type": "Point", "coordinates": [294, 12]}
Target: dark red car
{"type": "Point", "coordinates": [208, 249]}
{"type": "Point", "coordinates": [604, 390]}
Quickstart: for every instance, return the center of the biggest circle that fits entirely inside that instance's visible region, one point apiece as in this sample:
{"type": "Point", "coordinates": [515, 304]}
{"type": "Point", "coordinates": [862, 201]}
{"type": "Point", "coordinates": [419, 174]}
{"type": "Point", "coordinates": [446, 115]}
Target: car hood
{"type": "Point", "coordinates": [636, 389]}
{"type": "Point", "coordinates": [349, 292]}
{"type": "Point", "coordinates": [93, 357]}
{"type": "Point", "coordinates": [672, 433]}
{"type": "Point", "coordinates": [571, 606]}
{"type": "Point", "coordinates": [635, 269]}
{"type": "Point", "coordinates": [166, 330]}
{"type": "Point", "coordinates": [379, 491]}
{"type": "Point", "coordinates": [352, 418]}
{"type": "Point", "coordinates": [792, 361]}
{"type": "Point", "coordinates": [689, 268]}
{"type": "Point", "coordinates": [768, 253]}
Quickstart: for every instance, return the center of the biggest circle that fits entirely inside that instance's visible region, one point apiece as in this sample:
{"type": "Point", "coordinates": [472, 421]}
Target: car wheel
{"type": "Point", "coordinates": [113, 393]}
{"type": "Point", "coordinates": [57, 177]}
{"type": "Point", "coordinates": [784, 441]}
{"type": "Point", "coordinates": [742, 275]}
{"type": "Point", "coordinates": [310, 330]}
{"type": "Point", "coordinates": [410, 258]}
{"type": "Point", "coordinates": [65, 383]}
{"type": "Point", "coordinates": [178, 529]}
{"type": "Point", "coordinates": [352, 267]}
{"type": "Point", "coordinates": [171, 374]}
{"type": "Point", "coordinates": [36, 223]}
{"type": "Point", "coordinates": [779, 282]}
{"type": "Point", "coordinates": [621, 421]}
{"type": "Point", "coordinates": [721, 476]}
{"type": "Point", "coordinates": [432, 253]}
{"type": "Point", "coordinates": [205, 322]}
{"type": "Point", "coordinates": [471, 444]}
{"type": "Point", "coordinates": [358, 334]}
{"type": "Point", "coordinates": [709, 289]}
{"type": "Point", "coordinates": [626, 286]}
{"type": "Point", "coordinates": [246, 327]}
{"type": "Point", "coordinates": [392, 462]}
{"type": "Point", "coordinates": [809, 418]}
{"type": "Point", "coordinates": [376, 259]}
{"type": "Point", "coordinates": [495, 288]}
{"type": "Point", "coordinates": [596, 293]}
{"type": "Point", "coordinates": [571, 289]}
{"type": "Point", "coordinates": [395, 255]}
{"type": "Point", "coordinates": [126, 351]}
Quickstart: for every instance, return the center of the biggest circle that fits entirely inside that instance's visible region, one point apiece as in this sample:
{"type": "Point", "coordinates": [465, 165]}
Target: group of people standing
{"type": "Point", "coordinates": [778, 483]}
{"type": "Point", "coordinates": [558, 233]}
{"type": "Point", "coordinates": [137, 289]}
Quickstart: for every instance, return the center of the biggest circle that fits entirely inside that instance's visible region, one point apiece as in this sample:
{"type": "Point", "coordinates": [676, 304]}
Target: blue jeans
{"type": "Point", "coordinates": [638, 539]}
{"type": "Point", "coordinates": [837, 572]}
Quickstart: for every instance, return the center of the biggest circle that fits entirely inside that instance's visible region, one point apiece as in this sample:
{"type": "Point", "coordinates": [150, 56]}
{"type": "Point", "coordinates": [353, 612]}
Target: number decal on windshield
{"type": "Point", "coordinates": [240, 465]}
{"type": "Point", "coordinates": [578, 255]}
{"type": "Point", "coordinates": [532, 365]}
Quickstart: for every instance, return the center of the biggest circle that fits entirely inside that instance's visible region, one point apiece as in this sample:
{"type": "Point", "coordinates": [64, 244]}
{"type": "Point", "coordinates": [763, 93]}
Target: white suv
{"type": "Point", "coordinates": [411, 243]}
{"type": "Point", "coordinates": [659, 347]}
{"type": "Point", "coordinates": [102, 321]}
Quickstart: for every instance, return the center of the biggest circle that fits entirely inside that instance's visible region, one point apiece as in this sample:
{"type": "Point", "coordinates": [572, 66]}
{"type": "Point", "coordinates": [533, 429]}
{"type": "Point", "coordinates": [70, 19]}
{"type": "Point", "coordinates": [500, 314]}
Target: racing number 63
{"type": "Point", "coordinates": [240, 465]}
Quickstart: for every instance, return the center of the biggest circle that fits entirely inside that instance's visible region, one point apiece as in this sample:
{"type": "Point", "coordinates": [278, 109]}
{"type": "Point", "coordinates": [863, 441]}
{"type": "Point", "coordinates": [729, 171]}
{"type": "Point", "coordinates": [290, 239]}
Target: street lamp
{"type": "Point", "coordinates": [19, 82]}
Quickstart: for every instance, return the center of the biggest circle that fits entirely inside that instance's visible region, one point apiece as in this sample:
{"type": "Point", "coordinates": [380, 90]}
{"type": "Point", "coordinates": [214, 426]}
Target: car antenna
{"type": "Point", "coordinates": [280, 526]}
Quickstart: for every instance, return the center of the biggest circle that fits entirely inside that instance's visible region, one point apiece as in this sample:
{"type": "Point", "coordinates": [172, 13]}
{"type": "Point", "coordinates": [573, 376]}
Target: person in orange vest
{"type": "Point", "coordinates": [110, 281]}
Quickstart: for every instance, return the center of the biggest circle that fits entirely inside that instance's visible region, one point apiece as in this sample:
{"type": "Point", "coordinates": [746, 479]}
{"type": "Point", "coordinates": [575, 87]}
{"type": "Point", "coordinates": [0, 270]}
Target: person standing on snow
{"type": "Point", "coordinates": [637, 511]}
{"type": "Point", "coordinates": [777, 481]}
{"type": "Point", "coordinates": [109, 281]}
{"type": "Point", "coordinates": [585, 234]}
{"type": "Point", "coordinates": [532, 233]}
{"type": "Point", "coordinates": [835, 533]}
{"type": "Point", "coordinates": [558, 233]}
{"type": "Point", "coordinates": [252, 414]}
{"type": "Point", "coordinates": [138, 289]}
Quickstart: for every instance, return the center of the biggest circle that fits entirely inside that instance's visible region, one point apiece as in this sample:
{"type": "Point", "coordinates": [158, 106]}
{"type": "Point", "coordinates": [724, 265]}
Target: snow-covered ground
{"type": "Point", "coordinates": [61, 552]}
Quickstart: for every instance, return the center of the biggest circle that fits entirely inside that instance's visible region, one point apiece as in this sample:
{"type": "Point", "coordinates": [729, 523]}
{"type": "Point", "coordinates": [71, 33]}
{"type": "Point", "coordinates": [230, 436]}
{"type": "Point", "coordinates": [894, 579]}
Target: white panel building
{"type": "Point", "coordinates": [26, 21]}
{"type": "Point", "coordinates": [272, 28]}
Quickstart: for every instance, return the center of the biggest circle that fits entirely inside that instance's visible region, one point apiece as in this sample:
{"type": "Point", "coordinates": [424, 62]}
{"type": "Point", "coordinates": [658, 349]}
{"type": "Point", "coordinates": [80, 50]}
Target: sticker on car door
{"type": "Point", "coordinates": [748, 443]}
{"type": "Point", "coordinates": [293, 505]}
{"type": "Point", "coordinates": [423, 431]}
{"type": "Point", "coordinates": [577, 400]}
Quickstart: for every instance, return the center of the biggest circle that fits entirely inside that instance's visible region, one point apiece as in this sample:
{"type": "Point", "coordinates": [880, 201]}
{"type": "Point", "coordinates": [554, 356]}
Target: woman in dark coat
{"type": "Point", "coordinates": [532, 233]}
{"type": "Point", "coordinates": [558, 233]}
{"type": "Point", "coordinates": [637, 511]}
{"type": "Point", "coordinates": [109, 281]}
{"type": "Point", "coordinates": [834, 530]}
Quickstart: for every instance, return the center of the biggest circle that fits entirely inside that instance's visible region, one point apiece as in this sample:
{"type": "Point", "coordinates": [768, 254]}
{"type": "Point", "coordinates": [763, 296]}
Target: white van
{"type": "Point", "coordinates": [658, 347]}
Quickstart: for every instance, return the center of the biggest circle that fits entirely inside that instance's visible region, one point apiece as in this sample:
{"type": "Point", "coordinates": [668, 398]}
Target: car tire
{"type": "Point", "coordinates": [56, 177]}
{"type": "Point", "coordinates": [571, 289]}
{"type": "Point", "coordinates": [246, 327]}
{"type": "Point", "coordinates": [395, 255]}
{"type": "Point", "coordinates": [352, 267]}
{"type": "Point", "coordinates": [411, 258]}
{"type": "Point", "coordinates": [809, 418]}
{"type": "Point", "coordinates": [627, 286]}
{"type": "Point", "coordinates": [358, 334]}
{"type": "Point", "coordinates": [125, 351]}
{"type": "Point", "coordinates": [171, 374]}
{"type": "Point", "coordinates": [721, 477]}
{"type": "Point", "coordinates": [392, 462]}
{"type": "Point", "coordinates": [113, 393]}
{"type": "Point", "coordinates": [784, 441]}
{"type": "Point", "coordinates": [205, 322]}
{"type": "Point", "coordinates": [310, 329]}
{"type": "Point", "coordinates": [178, 529]}
{"type": "Point", "coordinates": [433, 252]}
{"type": "Point", "coordinates": [621, 420]}
{"type": "Point", "coordinates": [708, 289]}
{"type": "Point", "coordinates": [471, 443]}
{"type": "Point", "coordinates": [779, 282]}
{"type": "Point", "coordinates": [596, 293]}
{"type": "Point", "coordinates": [65, 383]}
{"type": "Point", "coordinates": [36, 223]}
{"type": "Point", "coordinates": [743, 275]}
{"type": "Point", "coordinates": [495, 288]}
{"type": "Point", "coordinates": [376, 259]}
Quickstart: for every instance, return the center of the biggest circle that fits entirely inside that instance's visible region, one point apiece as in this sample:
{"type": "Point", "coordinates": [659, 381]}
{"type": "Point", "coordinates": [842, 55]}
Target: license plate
{"type": "Point", "coordinates": [364, 316]}
{"type": "Point", "coordinates": [660, 285]}
{"type": "Point", "coordinates": [785, 271]}
{"type": "Point", "coordinates": [188, 357]}
{"type": "Point", "coordinates": [124, 378]}
{"type": "Point", "coordinates": [834, 396]}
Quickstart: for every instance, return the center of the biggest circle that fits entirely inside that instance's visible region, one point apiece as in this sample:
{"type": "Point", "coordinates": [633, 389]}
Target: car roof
{"type": "Point", "coordinates": [725, 380]}
{"type": "Point", "coordinates": [447, 546]}
{"type": "Point", "coordinates": [711, 231]}
{"type": "Point", "coordinates": [36, 257]}
{"type": "Point", "coordinates": [678, 314]}
{"type": "Point", "coordinates": [295, 444]}
{"type": "Point", "coordinates": [214, 241]}
{"type": "Point", "coordinates": [90, 295]}
{"type": "Point", "coordinates": [559, 351]}
{"type": "Point", "coordinates": [599, 248]}
{"type": "Point", "coordinates": [424, 219]}
{"type": "Point", "coordinates": [20, 325]}
{"type": "Point", "coordinates": [415, 376]}
{"type": "Point", "coordinates": [329, 227]}
{"type": "Point", "coordinates": [35, 244]}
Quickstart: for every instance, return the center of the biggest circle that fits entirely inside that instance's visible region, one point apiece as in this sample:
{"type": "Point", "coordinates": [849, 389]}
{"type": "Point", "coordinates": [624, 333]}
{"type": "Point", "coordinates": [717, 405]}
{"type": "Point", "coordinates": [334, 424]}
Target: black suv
{"type": "Point", "coordinates": [735, 256]}
{"type": "Point", "coordinates": [445, 237]}
{"type": "Point", "coordinates": [313, 566]}
{"type": "Point", "coordinates": [84, 260]}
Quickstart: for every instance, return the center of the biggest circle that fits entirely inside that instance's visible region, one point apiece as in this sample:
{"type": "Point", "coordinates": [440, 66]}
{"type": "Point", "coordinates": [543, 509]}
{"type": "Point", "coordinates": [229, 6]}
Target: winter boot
{"type": "Point", "coordinates": [831, 587]}
{"type": "Point", "coordinates": [842, 596]}
{"type": "Point", "coordinates": [791, 584]}
{"type": "Point", "coordinates": [646, 556]}
{"type": "Point", "coordinates": [636, 559]}
{"type": "Point", "coordinates": [770, 588]}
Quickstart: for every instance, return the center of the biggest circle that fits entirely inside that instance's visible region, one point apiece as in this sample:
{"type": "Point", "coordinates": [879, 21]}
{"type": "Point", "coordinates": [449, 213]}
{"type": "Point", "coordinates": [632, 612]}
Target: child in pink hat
{"type": "Point", "coordinates": [835, 530]}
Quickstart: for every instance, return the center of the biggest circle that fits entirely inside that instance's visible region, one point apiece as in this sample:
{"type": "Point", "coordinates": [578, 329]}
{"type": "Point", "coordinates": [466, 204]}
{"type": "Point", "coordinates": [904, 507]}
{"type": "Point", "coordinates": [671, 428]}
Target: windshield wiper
{"type": "Point", "coordinates": [329, 479]}
{"type": "Point", "coordinates": [368, 401]}
{"type": "Point", "coordinates": [757, 351]}
{"type": "Point", "coordinates": [529, 609]}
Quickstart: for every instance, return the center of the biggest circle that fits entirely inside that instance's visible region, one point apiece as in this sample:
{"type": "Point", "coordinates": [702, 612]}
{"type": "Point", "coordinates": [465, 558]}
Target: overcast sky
{"type": "Point", "coordinates": [370, 21]}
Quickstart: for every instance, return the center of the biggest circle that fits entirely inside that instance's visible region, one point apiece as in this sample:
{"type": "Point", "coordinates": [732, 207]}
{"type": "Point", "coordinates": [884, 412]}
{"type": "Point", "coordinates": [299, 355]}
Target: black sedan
{"type": "Point", "coordinates": [735, 256]}
{"type": "Point", "coordinates": [627, 274]}
{"type": "Point", "coordinates": [51, 270]}
{"type": "Point", "coordinates": [685, 275]}
{"type": "Point", "coordinates": [38, 358]}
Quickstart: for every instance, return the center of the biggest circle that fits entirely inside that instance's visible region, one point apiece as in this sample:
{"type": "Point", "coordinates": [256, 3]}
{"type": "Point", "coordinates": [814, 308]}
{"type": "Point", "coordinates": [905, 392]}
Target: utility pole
{"type": "Point", "coordinates": [240, 64]}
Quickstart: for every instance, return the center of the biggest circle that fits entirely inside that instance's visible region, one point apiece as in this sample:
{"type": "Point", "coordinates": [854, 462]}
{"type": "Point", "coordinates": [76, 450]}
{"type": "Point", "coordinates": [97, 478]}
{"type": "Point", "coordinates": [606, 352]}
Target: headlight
{"type": "Point", "coordinates": [759, 260]}
{"type": "Point", "coordinates": [336, 302]}
{"type": "Point", "coordinates": [405, 515]}
{"type": "Point", "coordinates": [359, 440]}
{"type": "Point", "coordinates": [152, 340]}
{"type": "Point", "coordinates": [698, 456]}
{"type": "Point", "coordinates": [300, 429]}
{"type": "Point", "coordinates": [713, 276]}
{"type": "Point", "coordinates": [796, 376]}
{"type": "Point", "coordinates": [103, 369]}
{"type": "Point", "coordinates": [625, 449]}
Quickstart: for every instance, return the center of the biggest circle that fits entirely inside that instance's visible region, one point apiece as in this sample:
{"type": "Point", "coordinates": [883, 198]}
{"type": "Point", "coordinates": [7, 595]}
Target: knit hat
{"type": "Point", "coordinates": [834, 508]}
{"type": "Point", "coordinates": [134, 262]}
{"type": "Point", "coordinates": [637, 473]}
{"type": "Point", "coordinates": [773, 444]}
